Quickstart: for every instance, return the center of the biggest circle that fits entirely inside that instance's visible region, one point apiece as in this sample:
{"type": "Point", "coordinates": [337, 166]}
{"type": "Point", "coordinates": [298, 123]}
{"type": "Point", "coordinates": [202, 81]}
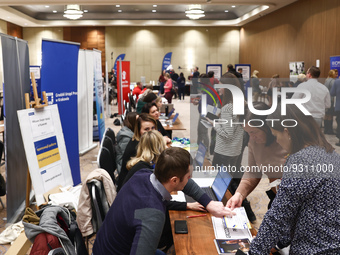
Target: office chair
{"type": "Point", "coordinates": [111, 134]}
{"type": "Point", "coordinates": [106, 161]}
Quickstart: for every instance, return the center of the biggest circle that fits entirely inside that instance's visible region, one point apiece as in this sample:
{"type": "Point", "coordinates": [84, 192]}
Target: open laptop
{"type": "Point", "coordinates": [175, 118]}
{"type": "Point", "coordinates": [199, 158]}
{"type": "Point", "coordinates": [166, 117]}
{"type": "Point", "coordinates": [219, 187]}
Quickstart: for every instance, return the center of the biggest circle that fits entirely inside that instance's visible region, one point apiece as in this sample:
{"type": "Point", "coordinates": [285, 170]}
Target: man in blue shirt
{"type": "Point", "coordinates": [135, 220]}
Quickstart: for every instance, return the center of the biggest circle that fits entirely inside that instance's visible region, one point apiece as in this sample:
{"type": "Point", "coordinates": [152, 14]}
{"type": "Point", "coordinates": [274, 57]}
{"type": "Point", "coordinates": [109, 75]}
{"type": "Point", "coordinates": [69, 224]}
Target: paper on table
{"type": "Point", "coordinates": [180, 197]}
{"type": "Point", "coordinates": [239, 221]}
{"type": "Point", "coordinates": [222, 232]}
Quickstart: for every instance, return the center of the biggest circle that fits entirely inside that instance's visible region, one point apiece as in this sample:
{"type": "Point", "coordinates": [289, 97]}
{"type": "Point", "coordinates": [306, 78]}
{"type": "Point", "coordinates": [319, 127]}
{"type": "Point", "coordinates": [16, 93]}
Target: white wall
{"type": "Point", "coordinates": [34, 38]}
{"type": "Point", "coordinates": [145, 48]}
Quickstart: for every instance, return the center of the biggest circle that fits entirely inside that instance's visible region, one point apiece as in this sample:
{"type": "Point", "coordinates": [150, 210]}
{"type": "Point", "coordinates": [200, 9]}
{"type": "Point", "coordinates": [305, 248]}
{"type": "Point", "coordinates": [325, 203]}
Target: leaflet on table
{"type": "Point", "coordinates": [240, 220]}
{"type": "Point", "coordinates": [231, 246]}
{"type": "Point", "coordinates": [222, 232]}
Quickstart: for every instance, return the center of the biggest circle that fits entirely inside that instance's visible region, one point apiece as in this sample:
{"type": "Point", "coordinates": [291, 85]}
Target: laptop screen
{"type": "Point", "coordinates": [171, 112]}
{"type": "Point", "coordinates": [200, 154]}
{"type": "Point", "coordinates": [175, 118]}
{"type": "Point", "coordinates": [221, 183]}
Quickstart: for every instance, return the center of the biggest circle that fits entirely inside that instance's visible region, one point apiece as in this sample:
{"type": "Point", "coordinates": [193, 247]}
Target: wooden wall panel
{"type": "Point", "coordinates": [306, 30]}
{"type": "Point", "coordinates": [14, 30]}
{"type": "Point", "coordinates": [88, 37]}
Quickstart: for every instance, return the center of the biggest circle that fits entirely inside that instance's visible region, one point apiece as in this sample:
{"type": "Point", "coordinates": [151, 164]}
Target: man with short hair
{"type": "Point", "coordinates": [320, 97]}
{"type": "Point", "coordinates": [137, 90]}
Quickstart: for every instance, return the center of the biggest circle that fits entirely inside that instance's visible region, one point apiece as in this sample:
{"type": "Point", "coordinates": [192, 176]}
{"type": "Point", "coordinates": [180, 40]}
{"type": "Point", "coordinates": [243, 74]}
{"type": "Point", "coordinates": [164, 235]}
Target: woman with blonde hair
{"type": "Point", "coordinates": [168, 87]}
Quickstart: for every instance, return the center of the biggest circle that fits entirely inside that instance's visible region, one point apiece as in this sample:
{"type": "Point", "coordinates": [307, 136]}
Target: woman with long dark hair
{"type": "Point", "coordinates": [181, 85]}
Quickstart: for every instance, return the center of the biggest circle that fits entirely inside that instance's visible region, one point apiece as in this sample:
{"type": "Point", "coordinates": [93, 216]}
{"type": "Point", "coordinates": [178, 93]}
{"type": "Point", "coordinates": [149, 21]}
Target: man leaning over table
{"type": "Point", "coordinates": [135, 220]}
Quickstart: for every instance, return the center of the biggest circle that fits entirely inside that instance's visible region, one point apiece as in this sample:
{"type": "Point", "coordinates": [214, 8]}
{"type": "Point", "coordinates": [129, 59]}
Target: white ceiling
{"type": "Point", "coordinates": [28, 13]}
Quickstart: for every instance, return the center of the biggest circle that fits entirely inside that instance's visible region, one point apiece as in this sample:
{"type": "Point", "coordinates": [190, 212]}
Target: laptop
{"type": "Point", "coordinates": [175, 118]}
{"type": "Point", "coordinates": [167, 116]}
{"type": "Point", "coordinates": [199, 158]}
{"type": "Point", "coordinates": [219, 187]}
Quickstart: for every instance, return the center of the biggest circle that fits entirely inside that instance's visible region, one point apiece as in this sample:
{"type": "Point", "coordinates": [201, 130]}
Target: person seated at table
{"type": "Point", "coordinates": [305, 212]}
{"type": "Point", "coordinates": [147, 86]}
{"type": "Point", "coordinates": [134, 222]}
{"type": "Point", "coordinates": [124, 136]}
{"type": "Point", "coordinates": [144, 123]}
{"type": "Point", "coordinates": [152, 109]}
{"type": "Point", "coordinates": [150, 146]}
{"type": "Point", "coordinates": [140, 102]}
{"type": "Point", "coordinates": [137, 89]}
{"type": "Point", "coordinates": [263, 151]}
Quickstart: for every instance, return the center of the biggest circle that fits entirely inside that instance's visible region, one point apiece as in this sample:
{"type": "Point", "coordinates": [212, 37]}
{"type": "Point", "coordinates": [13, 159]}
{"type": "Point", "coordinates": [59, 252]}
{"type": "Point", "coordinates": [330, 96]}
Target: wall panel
{"type": "Point", "coordinates": [14, 30]}
{"type": "Point", "coordinates": [306, 30]}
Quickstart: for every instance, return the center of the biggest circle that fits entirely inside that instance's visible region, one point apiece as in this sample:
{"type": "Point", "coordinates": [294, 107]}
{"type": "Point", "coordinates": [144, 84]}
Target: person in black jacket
{"type": "Point", "coordinates": [144, 124]}
{"type": "Point", "coordinates": [152, 109]}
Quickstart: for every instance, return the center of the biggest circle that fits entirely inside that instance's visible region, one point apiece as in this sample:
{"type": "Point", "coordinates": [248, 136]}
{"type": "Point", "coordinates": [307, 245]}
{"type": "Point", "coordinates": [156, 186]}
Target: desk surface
{"type": "Point", "coordinates": [177, 126]}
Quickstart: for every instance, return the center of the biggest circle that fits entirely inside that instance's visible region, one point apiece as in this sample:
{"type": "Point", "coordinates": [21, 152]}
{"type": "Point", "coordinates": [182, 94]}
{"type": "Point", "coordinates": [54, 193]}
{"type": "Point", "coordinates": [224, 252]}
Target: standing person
{"type": "Point", "coordinates": [255, 84]}
{"type": "Point", "coordinates": [162, 81]}
{"type": "Point", "coordinates": [124, 136]}
{"type": "Point", "coordinates": [195, 76]}
{"type": "Point", "coordinates": [274, 83]}
{"type": "Point", "coordinates": [335, 91]}
{"type": "Point", "coordinates": [181, 86]}
{"type": "Point", "coordinates": [167, 88]}
{"type": "Point", "coordinates": [305, 212]}
{"type": "Point", "coordinates": [328, 120]}
{"type": "Point", "coordinates": [263, 152]}
{"type": "Point", "coordinates": [320, 97]}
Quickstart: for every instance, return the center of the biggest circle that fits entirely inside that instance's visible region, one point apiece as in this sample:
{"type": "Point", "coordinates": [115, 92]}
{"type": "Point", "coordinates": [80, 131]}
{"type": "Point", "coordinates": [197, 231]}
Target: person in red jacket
{"type": "Point", "coordinates": [137, 90]}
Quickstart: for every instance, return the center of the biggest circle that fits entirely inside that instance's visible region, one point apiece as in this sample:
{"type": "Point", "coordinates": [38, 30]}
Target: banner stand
{"type": "Point", "coordinates": [33, 104]}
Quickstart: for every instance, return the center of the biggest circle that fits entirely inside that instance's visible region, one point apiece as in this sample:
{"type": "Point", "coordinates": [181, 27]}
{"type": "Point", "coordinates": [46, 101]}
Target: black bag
{"type": "Point", "coordinates": [2, 186]}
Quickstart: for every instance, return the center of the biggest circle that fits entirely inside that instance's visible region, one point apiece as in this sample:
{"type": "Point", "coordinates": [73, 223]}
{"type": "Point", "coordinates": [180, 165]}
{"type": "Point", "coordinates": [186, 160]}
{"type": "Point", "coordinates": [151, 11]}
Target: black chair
{"type": "Point", "coordinates": [99, 203]}
{"type": "Point", "coordinates": [107, 160]}
{"type": "Point", "coordinates": [132, 102]}
{"type": "Point", "coordinates": [111, 134]}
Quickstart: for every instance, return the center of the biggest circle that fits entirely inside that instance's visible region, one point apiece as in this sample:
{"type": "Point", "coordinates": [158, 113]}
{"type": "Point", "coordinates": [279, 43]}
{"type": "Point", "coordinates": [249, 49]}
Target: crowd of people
{"type": "Point", "coordinates": [304, 202]}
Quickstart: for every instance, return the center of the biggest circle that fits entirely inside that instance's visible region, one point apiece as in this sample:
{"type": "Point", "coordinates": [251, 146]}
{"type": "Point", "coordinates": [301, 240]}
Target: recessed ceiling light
{"type": "Point", "coordinates": [155, 5]}
{"type": "Point", "coordinates": [117, 5]}
{"type": "Point", "coordinates": [47, 6]}
{"type": "Point", "coordinates": [233, 6]}
{"type": "Point", "coordinates": [226, 11]}
{"type": "Point", "coordinates": [54, 11]}
{"type": "Point", "coordinates": [25, 24]}
{"type": "Point", "coordinates": [153, 10]}
{"type": "Point", "coordinates": [119, 10]}
{"type": "Point", "coordinates": [86, 10]}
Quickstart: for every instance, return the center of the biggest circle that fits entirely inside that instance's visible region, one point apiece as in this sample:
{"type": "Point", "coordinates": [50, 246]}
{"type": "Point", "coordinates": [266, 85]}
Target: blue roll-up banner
{"type": "Point", "coordinates": [98, 96]}
{"type": "Point", "coordinates": [121, 57]}
{"type": "Point", "coordinates": [59, 78]}
{"type": "Point", "coordinates": [335, 63]}
{"type": "Point", "coordinates": [166, 60]}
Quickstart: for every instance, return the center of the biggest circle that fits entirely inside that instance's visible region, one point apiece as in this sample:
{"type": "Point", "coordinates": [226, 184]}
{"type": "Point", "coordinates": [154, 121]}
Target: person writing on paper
{"type": "Point", "coordinates": [263, 151]}
{"type": "Point", "coordinates": [305, 212]}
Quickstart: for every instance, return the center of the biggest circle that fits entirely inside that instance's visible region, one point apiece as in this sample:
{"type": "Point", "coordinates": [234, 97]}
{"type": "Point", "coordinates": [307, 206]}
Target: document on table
{"type": "Point", "coordinates": [222, 232]}
{"type": "Point", "coordinates": [239, 221]}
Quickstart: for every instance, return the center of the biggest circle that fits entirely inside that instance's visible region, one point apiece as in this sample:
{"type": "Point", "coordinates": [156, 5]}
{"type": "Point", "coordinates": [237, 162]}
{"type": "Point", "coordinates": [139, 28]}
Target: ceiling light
{"type": "Point", "coordinates": [117, 5]}
{"type": "Point", "coordinates": [86, 10]}
{"type": "Point", "coordinates": [155, 5]}
{"type": "Point", "coordinates": [195, 12]}
{"type": "Point", "coordinates": [47, 6]}
{"type": "Point", "coordinates": [73, 11]}
{"type": "Point", "coordinates": [226, 11]}
{"type": "Point", "coordinates": [119, 10]}
{"type": "Point", "coordinates": [54, 11]}
{"type": "Point", "coordinates": [153, 10]}
{"type": "Point", "coordinates": [233, 6]}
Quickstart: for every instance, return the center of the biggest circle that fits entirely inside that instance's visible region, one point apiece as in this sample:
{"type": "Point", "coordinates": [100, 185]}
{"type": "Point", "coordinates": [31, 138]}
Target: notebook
{"type": "Point", "coordinates": [219, 187]}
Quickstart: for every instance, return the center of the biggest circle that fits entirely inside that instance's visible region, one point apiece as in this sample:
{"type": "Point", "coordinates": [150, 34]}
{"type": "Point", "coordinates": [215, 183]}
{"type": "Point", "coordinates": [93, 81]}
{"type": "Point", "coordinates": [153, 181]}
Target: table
{"type": "Point", "coordinates": [176, 126]}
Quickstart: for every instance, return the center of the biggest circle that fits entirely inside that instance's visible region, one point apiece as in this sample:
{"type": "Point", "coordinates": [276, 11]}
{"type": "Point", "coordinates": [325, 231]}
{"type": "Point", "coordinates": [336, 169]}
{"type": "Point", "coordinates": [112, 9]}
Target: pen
{"type": "Point", "coordinates": [194, 216]}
